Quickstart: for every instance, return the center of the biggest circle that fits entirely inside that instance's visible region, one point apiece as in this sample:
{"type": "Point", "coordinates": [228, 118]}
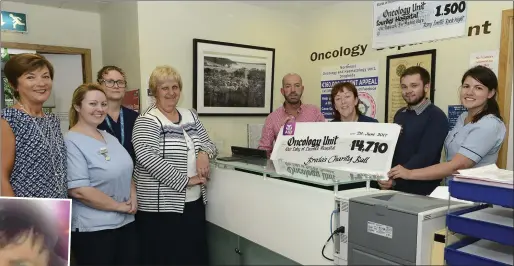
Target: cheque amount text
{"type": "Point", "coordinates": [369, 146]}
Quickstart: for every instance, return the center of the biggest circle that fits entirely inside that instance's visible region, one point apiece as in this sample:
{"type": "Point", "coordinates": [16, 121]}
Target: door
{"type": "Point", "coordinates": [509, 150]}
{"type": "Point", "coordinates": [68, 75]}
{"type": "Point", "coordinates": [505, 85]}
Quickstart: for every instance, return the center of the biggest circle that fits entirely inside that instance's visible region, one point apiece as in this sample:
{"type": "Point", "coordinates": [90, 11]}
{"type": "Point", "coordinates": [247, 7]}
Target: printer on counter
{"type": "Point", "coordinates": [395, 228]}
{"type": "Point", "coordinates": [342, 218]}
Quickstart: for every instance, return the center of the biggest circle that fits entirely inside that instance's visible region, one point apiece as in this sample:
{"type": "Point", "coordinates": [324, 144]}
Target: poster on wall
{"type": "Point", "coordinates": [407, 22]}
{"type": "Point", "coordinates": [363, 75]}
{"type": "Point", "coordinates": [454, 112]}
{"type": "Point", "coordinates": [396, 64]}
{"type": "Point", "coordinates": [487, 58]}
{"type": "Point", "coordinates": [131, 100]}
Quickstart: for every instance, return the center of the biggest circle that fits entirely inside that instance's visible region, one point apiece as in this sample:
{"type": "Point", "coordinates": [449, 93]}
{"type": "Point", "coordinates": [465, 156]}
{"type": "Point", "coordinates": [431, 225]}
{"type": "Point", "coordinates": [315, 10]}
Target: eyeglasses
{"type": "Point", "coordinates": [110, 83]}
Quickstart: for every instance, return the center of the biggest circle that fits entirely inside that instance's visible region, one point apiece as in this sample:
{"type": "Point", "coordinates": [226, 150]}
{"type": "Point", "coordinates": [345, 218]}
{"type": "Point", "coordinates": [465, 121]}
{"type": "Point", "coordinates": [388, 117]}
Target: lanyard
{"type": "Point", "coordinates": [122, 126]}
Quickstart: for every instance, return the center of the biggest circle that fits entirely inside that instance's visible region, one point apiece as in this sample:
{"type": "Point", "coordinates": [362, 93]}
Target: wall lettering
{"type": "Point", "coordinates": [360, 49]}
{"type": "Point", "coordinates": [357, 50]}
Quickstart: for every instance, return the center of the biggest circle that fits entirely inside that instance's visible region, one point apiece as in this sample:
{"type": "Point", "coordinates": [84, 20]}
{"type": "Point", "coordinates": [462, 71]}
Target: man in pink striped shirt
{"type": "Point", "coordinates": [292, 89]}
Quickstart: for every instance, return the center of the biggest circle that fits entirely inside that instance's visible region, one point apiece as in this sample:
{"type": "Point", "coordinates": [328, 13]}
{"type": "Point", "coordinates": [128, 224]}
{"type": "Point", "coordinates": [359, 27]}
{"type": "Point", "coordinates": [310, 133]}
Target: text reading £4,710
{"type": "Point", "coordinates": [369, 146]}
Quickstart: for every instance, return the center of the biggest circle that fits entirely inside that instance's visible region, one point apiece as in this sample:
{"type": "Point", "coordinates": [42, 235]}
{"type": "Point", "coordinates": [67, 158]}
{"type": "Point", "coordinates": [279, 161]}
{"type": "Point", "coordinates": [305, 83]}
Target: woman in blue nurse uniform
{"type": "Point", "coordinates": [478, 134]}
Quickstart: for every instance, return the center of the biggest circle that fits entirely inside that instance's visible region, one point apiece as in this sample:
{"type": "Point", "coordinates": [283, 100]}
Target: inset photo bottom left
{"type": "Point", "coordinates": [35, 231]}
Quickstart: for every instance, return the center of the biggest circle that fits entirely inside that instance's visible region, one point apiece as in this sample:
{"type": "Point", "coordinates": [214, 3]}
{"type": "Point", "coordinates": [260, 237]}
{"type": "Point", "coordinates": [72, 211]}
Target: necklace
{"type": "Point", "coordinates": [22, 107]}
{"type": "Point", "coordinates": [50, 144]}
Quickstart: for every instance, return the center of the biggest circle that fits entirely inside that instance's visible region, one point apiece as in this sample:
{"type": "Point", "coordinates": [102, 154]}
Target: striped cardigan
{"type": "Point", "coordinates": [160, 173]}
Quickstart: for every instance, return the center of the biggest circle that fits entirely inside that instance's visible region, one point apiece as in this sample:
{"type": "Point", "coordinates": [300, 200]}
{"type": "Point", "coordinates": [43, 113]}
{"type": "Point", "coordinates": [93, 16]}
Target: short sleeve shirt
{"type": "Point", "coordinates": [480, 141]}
{"type": "Point", "coordinates": [104, 166]}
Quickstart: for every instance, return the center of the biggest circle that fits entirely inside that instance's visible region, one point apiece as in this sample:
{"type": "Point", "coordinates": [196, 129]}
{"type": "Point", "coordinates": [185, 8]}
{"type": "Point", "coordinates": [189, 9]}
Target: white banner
{"type": "Point", "coordinates": [407, 22]}
{"type": "Point", "coordinates": [363, 75]}
{"type": "Point", "coordinates": [349, 146]}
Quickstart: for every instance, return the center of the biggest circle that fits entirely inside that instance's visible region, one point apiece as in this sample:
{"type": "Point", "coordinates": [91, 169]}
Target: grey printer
{"type": "Point", "coordinates": [395, 228]}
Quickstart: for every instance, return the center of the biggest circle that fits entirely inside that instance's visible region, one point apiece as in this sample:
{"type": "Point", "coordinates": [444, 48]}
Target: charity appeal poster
{"type": "Point", "coordinates": [364, 75]}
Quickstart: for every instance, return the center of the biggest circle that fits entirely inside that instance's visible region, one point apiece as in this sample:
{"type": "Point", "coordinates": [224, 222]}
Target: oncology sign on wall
{"type": "Point", "coordinates": [407, 22]}
{"type": "Point", "coordinates": [349, 146]}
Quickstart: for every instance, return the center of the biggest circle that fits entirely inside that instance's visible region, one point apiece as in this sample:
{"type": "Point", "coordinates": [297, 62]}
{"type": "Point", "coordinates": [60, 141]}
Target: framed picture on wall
{"type": "Point", "coordinates": [396, 64]}
{"type": "Point", "coordinates": [232, 79]}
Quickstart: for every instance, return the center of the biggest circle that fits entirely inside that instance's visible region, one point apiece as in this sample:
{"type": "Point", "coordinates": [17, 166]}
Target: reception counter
{"type": "Point", "coordinates": [276, 214]}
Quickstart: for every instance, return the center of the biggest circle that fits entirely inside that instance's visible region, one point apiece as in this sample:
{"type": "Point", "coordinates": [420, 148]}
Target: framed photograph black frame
{"type": "Point", "coordinates": [231, 79]}
{"type": "Point", "coordinates": [396, 64]}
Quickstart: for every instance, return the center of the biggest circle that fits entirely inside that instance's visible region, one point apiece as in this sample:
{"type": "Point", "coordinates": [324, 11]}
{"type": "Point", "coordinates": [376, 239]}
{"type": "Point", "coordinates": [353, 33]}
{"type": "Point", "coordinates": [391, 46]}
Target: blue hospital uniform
{"type": "Point", "coordinates": [87, 167]}
{"type": "Point", "coordinates": [480, 141]}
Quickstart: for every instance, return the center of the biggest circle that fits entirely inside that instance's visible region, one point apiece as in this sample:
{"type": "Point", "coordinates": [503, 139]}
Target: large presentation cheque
{"type": "Point", "coordinates": [350, 146]}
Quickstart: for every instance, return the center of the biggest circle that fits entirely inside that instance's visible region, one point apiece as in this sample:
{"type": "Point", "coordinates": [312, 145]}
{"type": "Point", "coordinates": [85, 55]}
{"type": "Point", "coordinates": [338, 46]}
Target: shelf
{"type": "Point", "coordinates": [478, 252]}
{"type": "Point", "coordinates": [494, 224]}
{"type": "Point", "coordinates": [482, 192]}
{"type": "Point", "coordinates": [490, 229]}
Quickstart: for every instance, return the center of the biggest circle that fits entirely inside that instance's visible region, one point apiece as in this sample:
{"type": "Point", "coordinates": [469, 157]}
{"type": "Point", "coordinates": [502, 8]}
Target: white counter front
{"type": "Point", "coordinates": [290, 219]}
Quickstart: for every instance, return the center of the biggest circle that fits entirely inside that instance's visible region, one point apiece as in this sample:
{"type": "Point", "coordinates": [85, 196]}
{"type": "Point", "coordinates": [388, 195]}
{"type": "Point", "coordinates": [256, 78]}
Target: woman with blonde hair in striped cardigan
{"type": "Point", "coordinates": [172, 151]}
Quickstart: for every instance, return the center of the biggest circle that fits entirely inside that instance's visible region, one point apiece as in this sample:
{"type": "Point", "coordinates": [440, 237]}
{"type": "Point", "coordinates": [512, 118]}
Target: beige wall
{"type": "Point", "coordinates": [120, 40]}
{"type": "Point", "coordinates": [139, 36]}
{"type": "Point", "coordinates": [61, 27]}
{"type": "Point", "coordinates": [349, 23]}
{"type": "Point", "coordinates": [165, 40]}
{"type": "Point", "coordinates": [166, 32]}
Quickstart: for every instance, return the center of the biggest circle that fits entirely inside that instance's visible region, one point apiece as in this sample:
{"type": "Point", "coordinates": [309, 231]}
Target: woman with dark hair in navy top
{"type": "Point", "coordinates": [345, 102]}
{"type": "Point", "coordinates": [120, 120]}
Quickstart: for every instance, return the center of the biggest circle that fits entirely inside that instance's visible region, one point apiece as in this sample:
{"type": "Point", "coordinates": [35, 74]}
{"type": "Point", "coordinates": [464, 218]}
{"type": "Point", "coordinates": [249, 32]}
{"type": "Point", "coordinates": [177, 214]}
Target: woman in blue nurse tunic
{"type": "Point", "coordinates": [478, 134]}
{"type": "Point", "coordinates": [100, 185]}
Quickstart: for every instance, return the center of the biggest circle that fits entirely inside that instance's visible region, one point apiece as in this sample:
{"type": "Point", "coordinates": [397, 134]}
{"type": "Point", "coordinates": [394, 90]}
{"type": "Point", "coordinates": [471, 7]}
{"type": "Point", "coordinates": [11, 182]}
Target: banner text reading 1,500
{"type": "Point", "coordinates": [452, 8]}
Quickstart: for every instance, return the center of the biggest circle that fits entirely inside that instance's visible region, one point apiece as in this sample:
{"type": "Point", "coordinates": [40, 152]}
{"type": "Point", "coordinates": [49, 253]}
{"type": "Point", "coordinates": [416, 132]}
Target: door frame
{"type": "Point", "coordinates": [51, 49]}
{"type": "Point", "coordinates": [505, 79]}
